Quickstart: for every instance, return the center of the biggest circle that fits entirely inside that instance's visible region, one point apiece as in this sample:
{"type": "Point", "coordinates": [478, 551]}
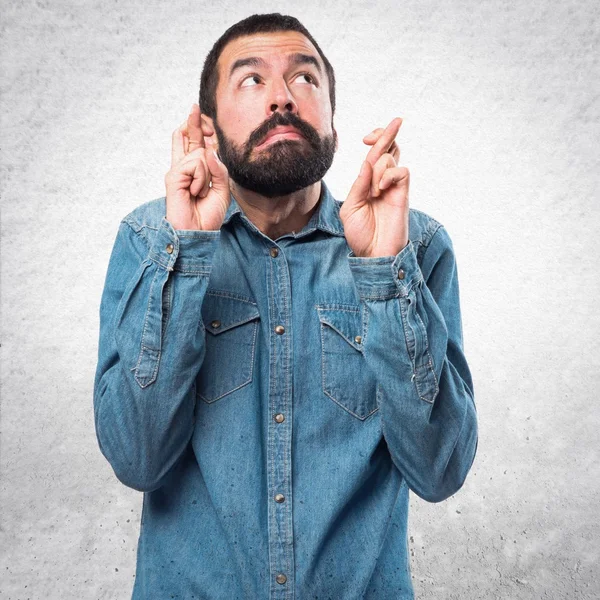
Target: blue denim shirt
{"type": "Point", "coordinates": [276, 400]}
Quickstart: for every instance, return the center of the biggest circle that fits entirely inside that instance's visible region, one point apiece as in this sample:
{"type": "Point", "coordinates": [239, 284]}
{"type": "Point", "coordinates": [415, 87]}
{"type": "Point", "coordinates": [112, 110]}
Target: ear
{"type": "Point", "coordinates": [208, 129]}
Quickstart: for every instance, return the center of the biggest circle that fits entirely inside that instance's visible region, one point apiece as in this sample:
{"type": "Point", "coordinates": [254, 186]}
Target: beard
{"type": "Point", "coordinates": [282, 167]}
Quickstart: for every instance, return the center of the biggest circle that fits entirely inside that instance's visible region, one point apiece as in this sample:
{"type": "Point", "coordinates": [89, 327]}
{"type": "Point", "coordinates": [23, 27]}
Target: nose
{"type": "Point", "coordinates": [281, 98]}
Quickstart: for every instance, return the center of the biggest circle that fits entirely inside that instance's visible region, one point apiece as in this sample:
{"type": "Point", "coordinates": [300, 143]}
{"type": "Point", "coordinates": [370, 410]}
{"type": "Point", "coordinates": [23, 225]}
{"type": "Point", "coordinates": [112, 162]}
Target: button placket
{"type": "Point", "coordinates": [279, 453]}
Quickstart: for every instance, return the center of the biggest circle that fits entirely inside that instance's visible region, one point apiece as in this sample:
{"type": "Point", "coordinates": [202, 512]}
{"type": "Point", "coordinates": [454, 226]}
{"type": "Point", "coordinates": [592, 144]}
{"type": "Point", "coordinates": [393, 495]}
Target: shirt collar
{"type": "Point", "coordinates": [325, 218]}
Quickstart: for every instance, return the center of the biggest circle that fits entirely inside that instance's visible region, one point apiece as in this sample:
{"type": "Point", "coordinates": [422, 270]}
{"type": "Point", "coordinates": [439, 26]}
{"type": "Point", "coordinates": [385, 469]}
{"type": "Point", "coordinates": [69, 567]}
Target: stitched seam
{"type": "Point", "coordinates": [288, 391]}
{"type": "Point", "coordinates": [431, 231]}
{"type": "Point", "coordinates": [236, 324]}
{"type": "Point", "coordinates": [152, 377]}
{"type": "Point", "coordinates": [233, 295]}
{"type": "Point", "coordinates": [349, 308]}
{"type": "Point", "coordinates": [323, 320]}
{"type": "Point", "coordinates": [386, 296]}
{"type": "Point", "coordinates": [148, 310]}
{"type": "Point", "coordinates": [415, 378]}
{"type": "Point", "coordinates": [241, 385]}
{"type": "Point", "coordinates": [271, 438]}
{"type": "Point", "coordinates": [323, 378]}
{"type": "Point", "coordinates": [405, 327]}
{"type": "Point", "coordinates": [168, 304]}
{"type": "Point", "coordinates": [356, 347]}
{"type": "Point", "coordinates": [191, 271]}
{"type": "Point", "coordinates": [365, 324]}
{"type": "Point", "coordinates": [430, 362]}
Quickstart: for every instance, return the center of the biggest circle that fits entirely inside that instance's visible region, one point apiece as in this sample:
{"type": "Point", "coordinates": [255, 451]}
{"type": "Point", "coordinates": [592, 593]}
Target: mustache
{"type": "Point", "coordinates": [278, 119]}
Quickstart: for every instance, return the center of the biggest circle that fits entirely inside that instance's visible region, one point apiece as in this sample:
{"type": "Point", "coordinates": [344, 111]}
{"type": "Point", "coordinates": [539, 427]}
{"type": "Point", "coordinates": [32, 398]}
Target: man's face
{"type": "Point", "coordinates": [284, 86]}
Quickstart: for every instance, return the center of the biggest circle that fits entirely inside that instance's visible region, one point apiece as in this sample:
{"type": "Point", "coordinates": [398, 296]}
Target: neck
{"type": "Point", "coordinates": [279, 215]}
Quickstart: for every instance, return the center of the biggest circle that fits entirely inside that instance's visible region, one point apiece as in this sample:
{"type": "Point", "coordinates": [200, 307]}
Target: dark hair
{"type": "Point", "coordinates": [259, 23]}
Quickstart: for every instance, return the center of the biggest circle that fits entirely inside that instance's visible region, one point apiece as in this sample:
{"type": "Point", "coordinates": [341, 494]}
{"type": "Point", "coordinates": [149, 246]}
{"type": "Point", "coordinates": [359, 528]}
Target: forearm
{"type": "Point", "coordinates": [151, 349]}
{"type": "Point", "coordinates": [425, 390]}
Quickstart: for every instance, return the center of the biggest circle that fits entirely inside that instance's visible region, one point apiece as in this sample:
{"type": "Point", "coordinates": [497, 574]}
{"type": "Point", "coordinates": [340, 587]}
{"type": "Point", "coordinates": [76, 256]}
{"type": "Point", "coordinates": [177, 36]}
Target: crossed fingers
{"type": "Point", "coordinates": [187, 137]}
{"type": "Point", "coordinates": [384, 141]}
{"type": "Point", "coordinates": [384, 155]}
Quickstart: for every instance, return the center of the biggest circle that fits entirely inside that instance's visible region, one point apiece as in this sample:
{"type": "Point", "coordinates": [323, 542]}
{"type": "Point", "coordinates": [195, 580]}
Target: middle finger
{"type": "Point", "coordinates": [394, 149]}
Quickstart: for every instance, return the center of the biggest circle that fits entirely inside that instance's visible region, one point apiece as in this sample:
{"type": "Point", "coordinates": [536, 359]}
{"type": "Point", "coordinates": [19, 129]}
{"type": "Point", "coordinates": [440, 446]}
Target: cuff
{"type": "Point", "coordinates": [186, 250]}
{"type": "Point", "coordinates": [385, 277]}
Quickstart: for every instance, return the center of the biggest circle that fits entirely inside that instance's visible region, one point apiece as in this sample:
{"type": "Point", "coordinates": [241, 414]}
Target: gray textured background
{"type": "Point", "coordinates": [500, 102]}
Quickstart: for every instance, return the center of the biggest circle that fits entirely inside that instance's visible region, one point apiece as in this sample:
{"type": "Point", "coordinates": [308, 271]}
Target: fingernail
{"type": "Point", "coordinates": [192, 109]}
{"type": "Point", "coordinates": [363, 168]}
{"type": "Point", "coordinates": [216, 156]}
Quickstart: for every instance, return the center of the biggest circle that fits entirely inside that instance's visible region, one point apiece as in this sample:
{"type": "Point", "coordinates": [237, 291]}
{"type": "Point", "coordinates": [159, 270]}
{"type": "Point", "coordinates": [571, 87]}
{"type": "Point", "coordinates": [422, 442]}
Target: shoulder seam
{"type": "Point", "coordinates": [136, 228]}
{"type": "Point", "coordinates": [431, 226]}
{"type": "Point", "coordinates": [434, 227]}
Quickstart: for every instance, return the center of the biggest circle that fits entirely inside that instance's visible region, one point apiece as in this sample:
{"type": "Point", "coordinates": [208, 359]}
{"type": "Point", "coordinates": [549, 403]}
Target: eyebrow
{"type": "Point", "coordinates": [255, 61]}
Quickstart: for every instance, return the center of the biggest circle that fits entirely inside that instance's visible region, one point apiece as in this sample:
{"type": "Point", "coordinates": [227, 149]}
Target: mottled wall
{"type": "Point", "coordinates": [500, 102]}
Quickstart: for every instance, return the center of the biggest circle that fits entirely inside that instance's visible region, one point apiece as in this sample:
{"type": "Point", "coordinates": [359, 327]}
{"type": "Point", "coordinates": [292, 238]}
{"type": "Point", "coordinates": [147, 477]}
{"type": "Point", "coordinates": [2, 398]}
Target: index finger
{"type": "Point", "coordinates": [386, 140]}
{"type": "Point", "coordinates": [194, 127]}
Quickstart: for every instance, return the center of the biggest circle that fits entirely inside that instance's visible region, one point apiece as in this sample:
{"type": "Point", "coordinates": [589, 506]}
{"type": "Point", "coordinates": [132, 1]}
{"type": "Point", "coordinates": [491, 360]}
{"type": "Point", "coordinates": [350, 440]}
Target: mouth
{"type": "Point", "coordinates": [280, 133]}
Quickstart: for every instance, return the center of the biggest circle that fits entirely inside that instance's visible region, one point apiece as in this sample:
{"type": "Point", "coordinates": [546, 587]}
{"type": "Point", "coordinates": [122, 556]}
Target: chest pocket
{"type": "Point", "coordinates": [345, 376]}
{"type": "Point", "coordinates": [231, 325]}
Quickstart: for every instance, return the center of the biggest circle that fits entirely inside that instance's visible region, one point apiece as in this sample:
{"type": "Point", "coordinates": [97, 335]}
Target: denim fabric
{"type": "Point", "coordinates": [276, 400]}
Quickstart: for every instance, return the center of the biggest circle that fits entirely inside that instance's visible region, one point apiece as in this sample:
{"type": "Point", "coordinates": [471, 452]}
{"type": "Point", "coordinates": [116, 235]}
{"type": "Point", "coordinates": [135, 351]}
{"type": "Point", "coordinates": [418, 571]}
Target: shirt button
{"type": "Point", "coordinates": [279, 418]}
{"type": "Point", "coordinates": [281, 578]}
{"type": "Point", "coordinates": [400, 274]}
{"type": "Point", "coordinates": [280, 329]}
{"type": "Point", "coordinates": [215, 324]}
{"type": "Point", "coordinates": [274, 252]}
{"type": "Point", "coordinates": [279, 498]}
{"type": "Point", "coordinates": [358, 339]}
{"type": "Point", "coordinates": [169, 248]}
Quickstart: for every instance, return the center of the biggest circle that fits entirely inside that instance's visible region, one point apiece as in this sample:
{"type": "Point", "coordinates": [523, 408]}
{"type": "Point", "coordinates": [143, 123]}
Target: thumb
{"type": "Point", "coordinates": [359, 192]}
{"type": "Point", "coordinates": [218, 172]}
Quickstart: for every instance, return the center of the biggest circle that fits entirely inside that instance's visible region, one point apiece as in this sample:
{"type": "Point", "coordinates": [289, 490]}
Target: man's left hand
{"type": "Point", "coordinates": [375, 213]}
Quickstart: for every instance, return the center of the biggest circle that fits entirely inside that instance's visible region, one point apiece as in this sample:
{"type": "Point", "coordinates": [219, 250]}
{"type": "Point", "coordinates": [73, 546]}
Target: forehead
{"type": "Point", "coordinates": [266, 45]}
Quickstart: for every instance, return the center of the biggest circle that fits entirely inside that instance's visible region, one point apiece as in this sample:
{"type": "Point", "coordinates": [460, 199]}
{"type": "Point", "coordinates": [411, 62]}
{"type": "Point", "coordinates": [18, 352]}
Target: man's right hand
{"type": "Point", "coordinates": [198, 182]}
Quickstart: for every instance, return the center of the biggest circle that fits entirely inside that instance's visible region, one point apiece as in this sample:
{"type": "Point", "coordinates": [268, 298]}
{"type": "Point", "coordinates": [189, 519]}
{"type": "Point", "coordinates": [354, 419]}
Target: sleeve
{"type": "Point", "coordinates": [151, 347]}
{"type": "Point", "coordinates": [414, 345]}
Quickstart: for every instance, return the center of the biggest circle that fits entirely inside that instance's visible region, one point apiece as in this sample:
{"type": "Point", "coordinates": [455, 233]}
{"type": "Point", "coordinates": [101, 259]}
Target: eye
{"type": "Point", "coordinates": [309, 77]}
{"type": "Point", "coordinates": [251, 77]}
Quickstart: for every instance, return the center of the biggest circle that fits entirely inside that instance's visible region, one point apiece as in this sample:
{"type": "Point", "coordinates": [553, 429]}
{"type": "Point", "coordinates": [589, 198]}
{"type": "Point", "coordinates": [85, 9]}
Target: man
{"type": "Point", "coordinates": [276, 368]}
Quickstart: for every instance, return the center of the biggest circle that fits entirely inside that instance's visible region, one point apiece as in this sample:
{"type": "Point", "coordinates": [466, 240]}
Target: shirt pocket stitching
{"type": "Point", "coordinates": [249, 320]}
{"type": "Point", "coordinates": [323, 324]}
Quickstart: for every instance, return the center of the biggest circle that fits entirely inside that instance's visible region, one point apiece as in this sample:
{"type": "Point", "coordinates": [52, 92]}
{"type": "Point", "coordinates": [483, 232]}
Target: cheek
{"type": "Point", "coordinates": [238, 124]}
{"type": "Point", "coordinates": [318, 112]}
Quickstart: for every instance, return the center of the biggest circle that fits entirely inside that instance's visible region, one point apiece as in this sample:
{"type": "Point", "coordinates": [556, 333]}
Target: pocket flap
{"type": "Point", "coordinates": [347, 321]}
{"type": "Point", "coordinates": [220, 312]}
